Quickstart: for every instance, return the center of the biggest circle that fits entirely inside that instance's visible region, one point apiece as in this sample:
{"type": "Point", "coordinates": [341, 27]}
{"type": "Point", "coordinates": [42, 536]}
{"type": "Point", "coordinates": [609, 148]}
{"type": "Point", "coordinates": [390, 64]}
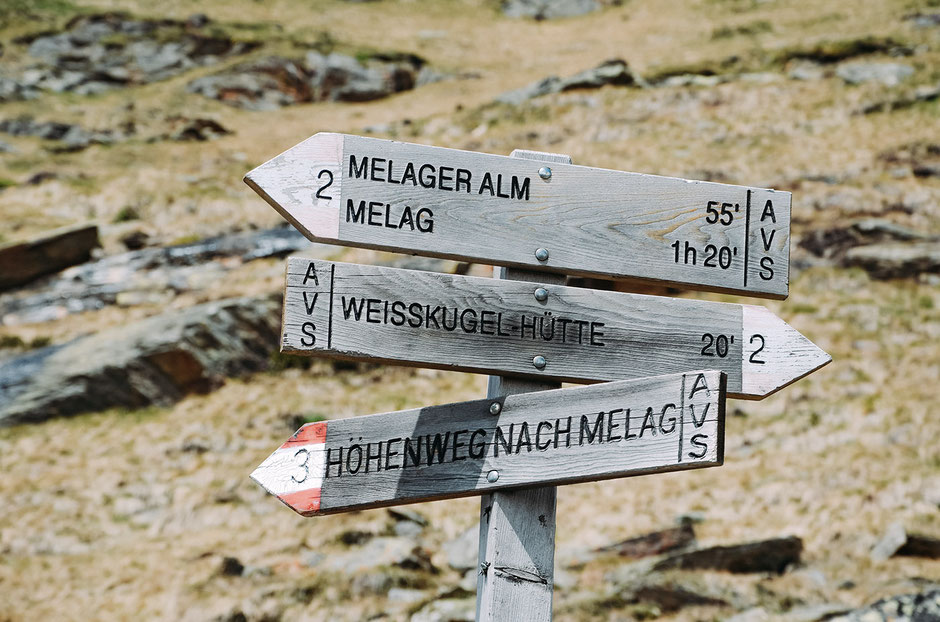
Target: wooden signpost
{"type": "Point", "coordinates": [614, 429]}
{"type": "Point", "coordinates": [540, 217]}
{"type": "Point", "coordinates": [531, 329]}
{"type": "Point", "coordinates": [559, 217]}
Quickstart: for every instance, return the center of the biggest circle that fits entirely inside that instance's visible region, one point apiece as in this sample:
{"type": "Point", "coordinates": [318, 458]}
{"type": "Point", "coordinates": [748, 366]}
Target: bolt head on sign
{"type": "Point", "coordinates": [382, 194]}
{"type": "Point", "coordinates": [563, 436]}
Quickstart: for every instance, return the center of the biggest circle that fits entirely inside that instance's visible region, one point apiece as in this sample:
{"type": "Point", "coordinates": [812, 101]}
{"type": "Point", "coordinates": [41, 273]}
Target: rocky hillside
{"type": "Point", "coordinates": [140, 287]}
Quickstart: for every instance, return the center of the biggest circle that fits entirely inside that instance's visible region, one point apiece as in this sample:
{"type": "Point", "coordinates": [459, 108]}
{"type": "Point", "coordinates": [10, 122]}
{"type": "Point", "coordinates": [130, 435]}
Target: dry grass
{"type": "Point", "coordinates": [108, 516]}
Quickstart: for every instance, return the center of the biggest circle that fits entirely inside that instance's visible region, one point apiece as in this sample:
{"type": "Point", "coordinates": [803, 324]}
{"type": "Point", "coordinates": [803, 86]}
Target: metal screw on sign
{"type": "Point", "coordinates": [541, 254]}
{"type": "Point", "coordinates": [496, 408]}
{"type": "Point", "coordinates": [545, 173]}
{"type": "Point", "coordinates": [492, 476]}
{"type": "Point", "coordinates": [541, 294]}
{"type": "Point", "coordinates": [539, 362]}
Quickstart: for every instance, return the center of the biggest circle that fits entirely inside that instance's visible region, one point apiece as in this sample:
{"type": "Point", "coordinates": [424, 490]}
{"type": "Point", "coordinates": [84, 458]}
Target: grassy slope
{"type": "Point", "coordinates": [105, 516]}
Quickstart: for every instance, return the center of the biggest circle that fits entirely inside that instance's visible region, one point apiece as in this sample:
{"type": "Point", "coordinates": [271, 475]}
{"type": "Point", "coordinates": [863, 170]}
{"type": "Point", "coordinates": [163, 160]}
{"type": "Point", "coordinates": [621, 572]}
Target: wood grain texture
{"type": "Point", "coordinates": [366, 462]}
{"type": "Point", "coordinates": [593, 222]}
{"type": "Point", "coordinates": [598, 335]}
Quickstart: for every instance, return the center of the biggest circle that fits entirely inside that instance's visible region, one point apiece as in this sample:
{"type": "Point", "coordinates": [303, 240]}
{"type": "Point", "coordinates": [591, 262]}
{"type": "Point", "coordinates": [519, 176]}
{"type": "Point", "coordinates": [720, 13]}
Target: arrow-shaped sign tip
{"type": "Point", "coordinates": [294, 472]}
{"type": "Point", "coordinates": [775, 354]}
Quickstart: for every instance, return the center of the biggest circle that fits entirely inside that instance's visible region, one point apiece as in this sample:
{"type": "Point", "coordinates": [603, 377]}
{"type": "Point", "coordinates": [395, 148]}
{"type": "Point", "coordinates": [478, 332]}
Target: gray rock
{"type": "Point", "coordinates": [462, 551]}
{"type": "Point", "coordinates": [276, 81]}
{"type": "Point", "coordinates": [154, 361]}
{"type": "Point", "coordinates": [655, 543]}
{"type": "Point", "coordinates": [888, 74]}
{"type": "Point", "coordinates": [71, 137]}
{"type": "Point", "coordinates": [548, 9]}
{"type": "Point", "coordinates": [24, 262]}
{"type": "Point", "coordinates": [923, 607]}
{"type": "Point", "coordinates": [379, 552]}
{"type": "Point", "coordinates": [614, 72]}
{"type": "Point", "coordinates": [893, 539]}
{"type": "Point", "coordinates": [147, 274]}
{"type": "Point", "coordinates": [806, 70]}
{"type": "Point", "coordinates": [895, 260]}
{"type": "Point", "coordinates": [12, 90]}
{"type": "Point", "coordinates": [923, 20]}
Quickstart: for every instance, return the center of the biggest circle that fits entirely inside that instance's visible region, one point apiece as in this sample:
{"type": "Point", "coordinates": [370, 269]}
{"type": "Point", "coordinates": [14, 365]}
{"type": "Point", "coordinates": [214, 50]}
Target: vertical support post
{"type": "Point", "coordinates": [517, 527]}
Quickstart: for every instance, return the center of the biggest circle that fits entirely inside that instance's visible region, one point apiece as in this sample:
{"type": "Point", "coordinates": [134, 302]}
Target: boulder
{"type": "Point", "coordinates": [762, 556]}
{"type": "Point", "coordinates": [98, 52]}
{"type": "Point", "coordinates": [462, 552]}
{"type": "Point", "coordinates": [154, 361]}
{"type": "Point", "coordinates": [614, 72]}
{"type": "Point", "coordinates": [12, 90]}
{"type": "Point", "coordinates": [70, 137]}
{"type": "Point", "coordinates": [548, 9]}
{"type": "Point", "coordinates": [896, 260]}
{"type": "Point", "coordinates": [144, 275]}
{"type": "Point", "coordinates": [23, 262]}
{"type": "Point", "coordinates": [896, 541]}
{"type": "Point", "coordinates": [277, 81]}
{"type": "Point", "coordinates": [888, 74]}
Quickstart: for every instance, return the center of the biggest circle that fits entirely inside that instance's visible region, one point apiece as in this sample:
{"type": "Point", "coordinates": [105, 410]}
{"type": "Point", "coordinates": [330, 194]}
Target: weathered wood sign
{"type": "Point", "coordinates": [563, 436]}
{"type": "Point", "coordinates": [547, 331]}
{"type": "Point", "coordinates": [381, 194]}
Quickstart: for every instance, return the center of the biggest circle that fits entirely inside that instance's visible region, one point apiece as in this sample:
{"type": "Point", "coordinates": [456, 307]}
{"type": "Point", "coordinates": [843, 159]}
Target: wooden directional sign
{"type": "Point", "coordinates": [517, 328]}
{"type": "Point", "coordinates": [564, 436]}
{"type": "Point", "coordinates": [372, 193]}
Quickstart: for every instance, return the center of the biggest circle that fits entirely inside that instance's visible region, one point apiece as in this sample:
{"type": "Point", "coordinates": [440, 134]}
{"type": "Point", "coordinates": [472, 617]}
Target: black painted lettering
{"type": "Point", "coordinates": [388, 213]}
{"type": "Point", "coordinates": [520, 191]}
{"type": "Point", "coordinates": [358, 172]}
{"type": "Point", "coordinates": [414, 310]}
{"type": "Point", "coordinates": [398, 313]}
{"type": "Point", "coordinates": [463, 179]}
{"type": "Point", "coordinates": [412, 452]}
{"type": "Point", "coordinates": [499, 326]}
{"type": "Point", "coordinates": [699, 421]}
{"type": "Point", "coordinates": [349, 452]}
{"type": "Point", "coordinates": [453, 325]}
{"type": "Point", "coordinates": [377, 456]}
{"type": "Point", "coordinates": [391, 175]}
{"type": "Point", "coordinates": [310, 304]}
{"type": "Point", "coordinates": [375, 212]}
{"type": "Point", "coordinates": [310, 339]}
{"type": "Point", "coordinates": [502, 440]}
{"type": "Point", "coordinates": [409, 175]}
{"type": "Point", "coordinates": [698, 440]}
{"type": "Point", "coordinates": [407, 218]}
{"type": "Point", "coordinates": [425, 220]}
{"type": "Point", "coordinates": [430, 316]}
{"type": "Point", "coordinates": [596, 334]}
{"type": "Point", "coordinates": [767, 270]}
{"type": "Point", "coordinates": [437, 447]}
{"type": "Point", "coordinates": [767, 241]}
{"type": "Point", "coordinates": [700, 384]}
{"type": "Point", "coordinates": [338, 462]}
{"type": "Point", "coordinates": [486, 325]}
{"type": "Point", "coordinates": [376, 173]}
{"type": "Point", "coordinates": [612, 425]}
{"type": "Point", "coordinates": [311, 274]}
{"type": "Point", "coordinates": [768, 211]}
{"type": "Point", "coordinates": [487, 185]}
{"type": "Point", "coordinates": [477, 449]}
{"type": "Point", "coordinates": [648, 423]}
{"type": "Point", "coordinates": [538, 435]}
{"type": "Point", "coordinates": [426, 176]}
{"type": "Point", "coordinates": [444, 178]}
{"type": "Point", "coordinates": [389, 454]}
{"type": "Point", "coordinates": [524, 326]}
{"type": "Point", "coordinates": [373, 307]}
{"type": "Point", "coordinates": [566, 431]}
{"type": "Point", "coordinates": [626, 432]}
{"type": "Point", "coordinates": [353, 214]}
{"type": "Point", "coordinates": [523, 438]}
{"type": "Point", "coordinates": [596, 433]}
{"type": "Point", "coordinates": [471, 325]}
{"type": "Point", "coordinates": [663, 420]}
{"type": "Point", "coordinates": [457, 445]}
{"type": "Point", "coordinates": [499, 187]}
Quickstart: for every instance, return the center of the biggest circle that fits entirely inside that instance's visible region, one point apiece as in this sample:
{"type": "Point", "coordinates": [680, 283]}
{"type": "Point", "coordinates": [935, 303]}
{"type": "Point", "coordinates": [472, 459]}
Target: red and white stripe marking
{"type": "Point", "coordinates": [294, 472]}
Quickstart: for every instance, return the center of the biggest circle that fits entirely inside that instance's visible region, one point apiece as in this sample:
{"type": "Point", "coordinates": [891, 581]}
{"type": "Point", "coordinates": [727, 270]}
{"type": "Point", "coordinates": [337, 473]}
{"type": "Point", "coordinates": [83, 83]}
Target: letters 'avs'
{"type": "Point", "coordinates": [381, 194]}
{"type": "Point", "coordinates": [561, 333]}
{"type": "Point", "coordinates": [608, 430]}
